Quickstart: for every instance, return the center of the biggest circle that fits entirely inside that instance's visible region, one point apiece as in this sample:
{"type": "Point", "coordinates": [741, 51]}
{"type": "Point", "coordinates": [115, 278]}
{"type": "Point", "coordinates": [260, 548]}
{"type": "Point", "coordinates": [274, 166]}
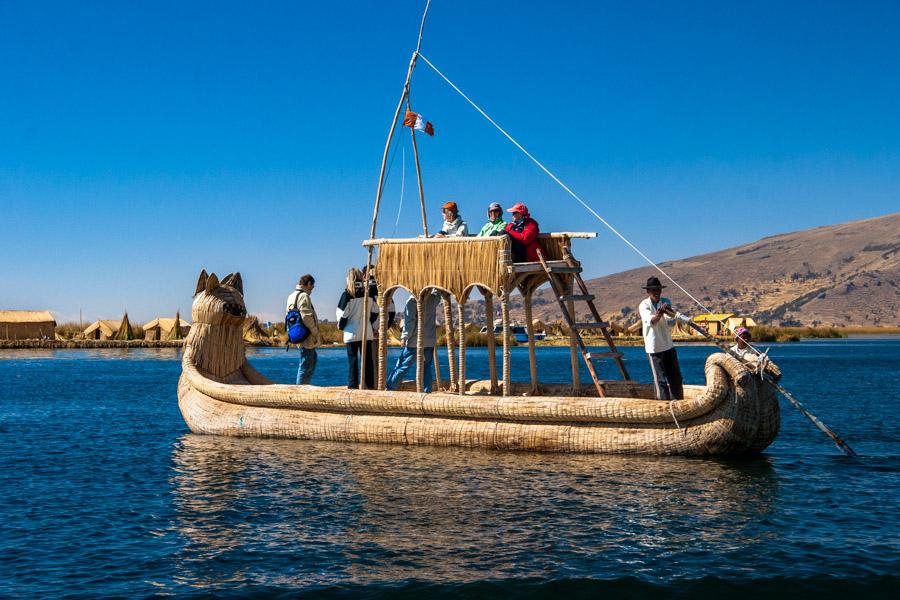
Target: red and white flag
{"type": "Point", "coordinates": [416, 121]}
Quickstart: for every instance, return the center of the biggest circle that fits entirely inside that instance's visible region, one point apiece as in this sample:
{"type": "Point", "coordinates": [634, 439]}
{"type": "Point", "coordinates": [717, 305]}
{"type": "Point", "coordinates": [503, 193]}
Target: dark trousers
{"type": "Point", "coordinates": [354, 349]}
{"type": "Point", "coordinates": [666, 375]}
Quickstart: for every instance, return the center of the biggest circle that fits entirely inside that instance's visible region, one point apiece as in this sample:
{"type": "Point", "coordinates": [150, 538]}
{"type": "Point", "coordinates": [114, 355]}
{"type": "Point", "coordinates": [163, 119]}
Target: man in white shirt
{"type": "Point", "coordinates": [657, 317]}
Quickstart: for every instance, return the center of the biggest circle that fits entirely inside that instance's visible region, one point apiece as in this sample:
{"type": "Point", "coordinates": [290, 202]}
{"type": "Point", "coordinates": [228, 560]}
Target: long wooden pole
{"type": "Point", "coordinates": [380, 189]}
{"type": "Point", "coordinates": [412, 133]}
{"type": "Point", "coordinates": [841, 444]}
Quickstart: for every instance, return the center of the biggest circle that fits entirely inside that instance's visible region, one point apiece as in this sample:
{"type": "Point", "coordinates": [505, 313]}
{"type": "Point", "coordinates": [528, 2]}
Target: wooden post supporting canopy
{"type": "Point", "coordinates": [529, 327]}
{"type": "Point", "coordinates": [460, 313]}
{"type": "Point", "coordinates": [420, 342]}
{"type": "Point", "coordinates": [504, 310]}
{"type": "Point", "coordinates": [491, 342]}
{"type": "Point", "coordinates": [448, 335]}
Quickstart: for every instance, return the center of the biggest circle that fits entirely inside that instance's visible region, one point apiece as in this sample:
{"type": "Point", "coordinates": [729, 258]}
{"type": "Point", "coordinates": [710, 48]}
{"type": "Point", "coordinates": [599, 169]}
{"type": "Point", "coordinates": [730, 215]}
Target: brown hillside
{"type": "Point", "coordinates": [839, 275]}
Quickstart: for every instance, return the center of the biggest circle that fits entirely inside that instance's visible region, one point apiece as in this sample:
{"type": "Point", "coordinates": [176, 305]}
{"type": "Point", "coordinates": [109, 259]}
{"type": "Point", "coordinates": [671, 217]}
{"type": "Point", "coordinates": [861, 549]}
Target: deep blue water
{"type": "Point", "coordinates": [103, 492]}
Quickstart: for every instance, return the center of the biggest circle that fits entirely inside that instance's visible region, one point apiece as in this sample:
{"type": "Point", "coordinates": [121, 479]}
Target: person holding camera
{"type": "Point", "coordinates": [657, 316]}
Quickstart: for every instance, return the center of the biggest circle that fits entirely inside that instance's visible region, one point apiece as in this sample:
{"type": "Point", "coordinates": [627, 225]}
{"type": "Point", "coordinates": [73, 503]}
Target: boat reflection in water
{"type": "Point", "coordinates": [298, 513]}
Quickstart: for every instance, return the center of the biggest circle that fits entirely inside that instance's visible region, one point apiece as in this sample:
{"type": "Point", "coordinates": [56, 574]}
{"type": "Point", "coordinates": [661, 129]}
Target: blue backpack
{"type": "Point", "coordinates": [293, 324]}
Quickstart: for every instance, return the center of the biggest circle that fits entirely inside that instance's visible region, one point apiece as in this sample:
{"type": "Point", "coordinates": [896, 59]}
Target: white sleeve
{"type": "Point", "coordinates": [646, 313]}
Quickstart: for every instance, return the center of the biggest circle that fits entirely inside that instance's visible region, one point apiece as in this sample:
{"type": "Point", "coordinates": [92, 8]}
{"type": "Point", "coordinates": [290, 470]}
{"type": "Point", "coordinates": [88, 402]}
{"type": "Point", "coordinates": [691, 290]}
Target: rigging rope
{"type": "Point", "coordinates": [580, 201]}
{"type": "Point", "coordinates": [402, 185]}
{"type": "Point", "coordinates": [565, 187]}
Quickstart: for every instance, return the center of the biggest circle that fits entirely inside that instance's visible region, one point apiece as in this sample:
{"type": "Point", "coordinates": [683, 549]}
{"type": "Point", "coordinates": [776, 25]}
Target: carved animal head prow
{"type": "Point", "coordinates": [219, 302]}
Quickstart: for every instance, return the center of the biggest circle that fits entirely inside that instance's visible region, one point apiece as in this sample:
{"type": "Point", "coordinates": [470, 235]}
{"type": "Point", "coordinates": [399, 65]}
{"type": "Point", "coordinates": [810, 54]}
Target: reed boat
{"type": "Point", "coordinates": [734, 412]}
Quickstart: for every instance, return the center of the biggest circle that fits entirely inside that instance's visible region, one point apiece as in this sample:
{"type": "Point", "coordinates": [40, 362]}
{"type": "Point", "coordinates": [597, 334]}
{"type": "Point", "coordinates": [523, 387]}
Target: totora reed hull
{"type": "Point", "coordinates": [220, 393]}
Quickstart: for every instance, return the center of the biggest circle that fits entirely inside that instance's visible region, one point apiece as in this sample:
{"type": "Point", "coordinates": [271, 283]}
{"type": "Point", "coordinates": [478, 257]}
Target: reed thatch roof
{"type": "Point", "coordinates": [26, 316]}
{"type": "Point", "coordinates": [165, 323]}
{"type": "Point", "coordinates": [124, 332]}
{"type": "Point", "coordinates": [106, 326]}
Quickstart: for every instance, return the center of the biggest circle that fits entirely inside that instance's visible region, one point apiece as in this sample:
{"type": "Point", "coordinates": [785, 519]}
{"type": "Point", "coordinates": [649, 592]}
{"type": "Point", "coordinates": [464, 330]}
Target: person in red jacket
{"type": "Point", "coordinates": [524, 233]}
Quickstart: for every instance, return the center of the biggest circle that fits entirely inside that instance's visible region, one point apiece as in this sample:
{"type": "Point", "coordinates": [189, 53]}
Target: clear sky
{"type": "Point", "coordinates": [143, 141]}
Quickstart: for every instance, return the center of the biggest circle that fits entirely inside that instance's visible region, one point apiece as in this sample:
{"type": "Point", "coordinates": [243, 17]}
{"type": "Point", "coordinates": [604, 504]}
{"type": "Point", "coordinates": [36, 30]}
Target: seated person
{"type": "Point", "coordinates": [453, 226]}
{"type": "Point", "coordinates": [524, 233]}
{"type": "Point", "coordinates": [741, 348]}
{"type": "Point", "coordinates": [495, 225]}
{"type": "Point", "coordinates": [409, 338]}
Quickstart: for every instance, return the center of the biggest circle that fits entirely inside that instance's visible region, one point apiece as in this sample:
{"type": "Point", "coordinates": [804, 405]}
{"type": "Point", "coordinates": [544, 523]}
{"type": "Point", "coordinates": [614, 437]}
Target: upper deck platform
{"type": "Point", "coordinates": [458, 264]}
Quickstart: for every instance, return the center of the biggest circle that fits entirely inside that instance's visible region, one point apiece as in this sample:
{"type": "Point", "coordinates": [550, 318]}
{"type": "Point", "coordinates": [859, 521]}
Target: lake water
{"type": "Point", "coordinates": [104, 492]}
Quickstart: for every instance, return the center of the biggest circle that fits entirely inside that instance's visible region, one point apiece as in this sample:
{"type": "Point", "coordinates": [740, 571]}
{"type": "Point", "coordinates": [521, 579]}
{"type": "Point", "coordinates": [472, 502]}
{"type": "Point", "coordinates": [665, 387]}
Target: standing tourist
{"type": "Point", "coordinates": [524, 233]}
{"type": "Point", "coordinates": [495, 224]}
{"type": "Point", "coordinates": [657, 317]}
{"type": "Point", "coordinates": [409, 340]}
{"type": "Point", "coordinates": [352, 321]}
{"type": "Point", "coordinates": [453, 225]}
{"type": "Point", "coordinates": [300, 301]}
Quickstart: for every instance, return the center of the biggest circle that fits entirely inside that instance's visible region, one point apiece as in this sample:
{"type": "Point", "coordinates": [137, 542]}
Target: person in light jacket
{"type": "Point", "coordinates": [300, 300]}
{"type": "Point", "coordinates": [453, 225]}
{"type": "Point", "coordinates": [657, 317]}
{"type": "Point", "coordinates": [409, 340]}
{"type": "Point", "coordinates": [352, 322]}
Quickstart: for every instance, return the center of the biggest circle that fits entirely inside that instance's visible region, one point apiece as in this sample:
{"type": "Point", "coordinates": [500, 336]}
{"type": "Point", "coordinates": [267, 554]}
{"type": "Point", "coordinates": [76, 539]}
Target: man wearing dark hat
{"type": "Point", "coordinates": [657, 317]}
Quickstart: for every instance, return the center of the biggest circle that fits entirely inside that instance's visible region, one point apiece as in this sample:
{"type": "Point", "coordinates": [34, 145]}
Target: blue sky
{"type": "Point", "coordinates": [142, 141]}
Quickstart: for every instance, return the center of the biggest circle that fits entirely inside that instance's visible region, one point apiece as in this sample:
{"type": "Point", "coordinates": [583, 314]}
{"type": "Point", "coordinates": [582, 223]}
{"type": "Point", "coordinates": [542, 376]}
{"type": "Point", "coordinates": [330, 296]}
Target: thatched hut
{"type": "Point", "coordinates": [102, 329]}
{"type": "Point", "coordinates": [721, 324]}
{"type": "Point", "coordinates": [125, 332]}
{"type": "Point", "coordinates": [26, 325]}
{"type": "Point", "coordinates": [161, 328]}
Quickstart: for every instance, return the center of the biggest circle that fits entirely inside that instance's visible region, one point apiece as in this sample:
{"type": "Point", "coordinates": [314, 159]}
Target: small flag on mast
{"type": "Point", "coordinates": [416, 121]}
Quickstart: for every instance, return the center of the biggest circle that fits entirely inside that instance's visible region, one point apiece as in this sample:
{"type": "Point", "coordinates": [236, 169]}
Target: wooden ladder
{"type": "Point", "coordinates": [554, 273]}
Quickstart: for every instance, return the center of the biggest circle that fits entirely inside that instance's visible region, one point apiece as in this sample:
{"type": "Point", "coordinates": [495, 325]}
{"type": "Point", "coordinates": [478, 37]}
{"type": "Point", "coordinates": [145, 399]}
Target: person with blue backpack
{"type": "Point", "coordinates": [302, 326]}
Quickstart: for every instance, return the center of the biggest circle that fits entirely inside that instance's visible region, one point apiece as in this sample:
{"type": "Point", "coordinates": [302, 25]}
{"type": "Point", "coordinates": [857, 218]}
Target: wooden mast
{"type": "Point", "coordinates": [380, 189]}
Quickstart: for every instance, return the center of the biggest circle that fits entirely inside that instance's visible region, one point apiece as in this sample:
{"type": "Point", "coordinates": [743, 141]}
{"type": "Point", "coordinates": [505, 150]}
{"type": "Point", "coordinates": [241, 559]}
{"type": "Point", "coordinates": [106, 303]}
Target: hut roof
{"type": "Point", "coordinates": [25, 316]}
{"type": "Point", "coordinates": [107, 326]}
{"type": "Point", "coordinates": [165, 323]}
{"type": "Point", "coordinates": [713, 317]}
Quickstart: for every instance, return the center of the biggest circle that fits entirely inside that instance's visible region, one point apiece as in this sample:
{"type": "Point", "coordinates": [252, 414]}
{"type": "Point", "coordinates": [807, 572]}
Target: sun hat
{"type": "Point", "coordinates": [450, 206]}
{"type": "Point", "coordinates": [653, 283]}
{"type": "Point", "coordinates": [519, 208]}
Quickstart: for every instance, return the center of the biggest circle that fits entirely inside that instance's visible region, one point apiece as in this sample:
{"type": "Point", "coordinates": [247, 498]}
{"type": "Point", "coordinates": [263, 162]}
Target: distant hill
{"type": "Point", "coordinates": [838, 275]}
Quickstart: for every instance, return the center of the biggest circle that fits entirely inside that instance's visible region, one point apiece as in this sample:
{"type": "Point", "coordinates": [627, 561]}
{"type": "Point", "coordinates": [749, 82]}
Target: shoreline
{"type": "Point", "coordinates": [86, 344]}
